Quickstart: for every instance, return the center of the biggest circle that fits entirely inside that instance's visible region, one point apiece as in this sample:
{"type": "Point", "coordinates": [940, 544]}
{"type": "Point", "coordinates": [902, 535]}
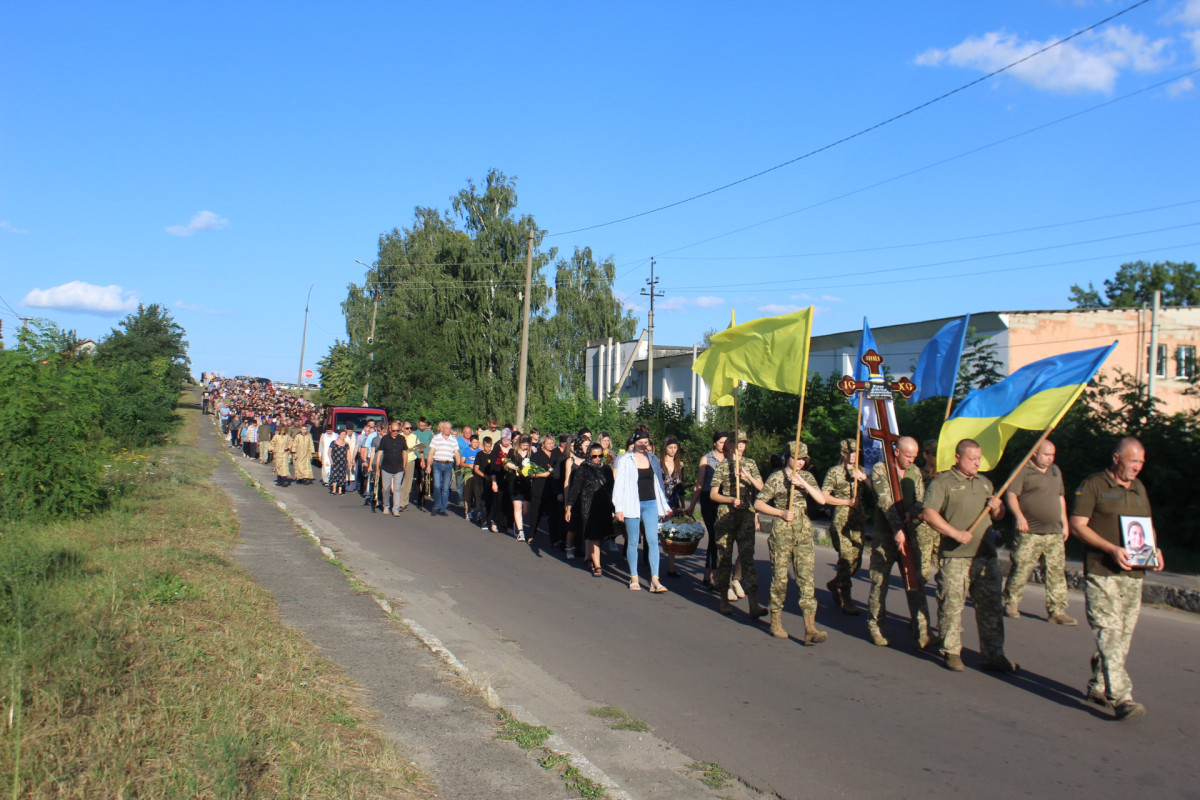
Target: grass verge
{"type": "Point", "coordinates": [619, 719]}
{"type": "Point", "coordinates": [137, 661]}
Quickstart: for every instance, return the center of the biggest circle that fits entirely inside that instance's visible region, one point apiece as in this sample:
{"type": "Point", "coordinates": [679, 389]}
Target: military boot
{"type": "Point", "coordinates": [811, 634]}
{"type": "Point", "coordinates": [756, 610]}
{"type": "Point", "coordinates": [876, 635]}
{"type": "Point", "coordinates": [777, 625]}
{"type": "Point", "coordinates": [835, 593]}
{"type": "Point", "coordinates": [726, 608]}
{"type": "Point", "coordinates": [848, 606]}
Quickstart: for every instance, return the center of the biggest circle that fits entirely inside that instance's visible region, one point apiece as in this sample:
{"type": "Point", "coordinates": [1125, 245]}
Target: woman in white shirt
{"type": "Point", "coordinates": [639, 498]}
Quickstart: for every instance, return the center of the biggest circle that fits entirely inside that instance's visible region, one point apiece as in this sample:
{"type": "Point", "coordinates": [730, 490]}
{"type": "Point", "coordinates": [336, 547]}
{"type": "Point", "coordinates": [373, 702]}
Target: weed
{"type": "Point", "coordinates": [713, 775]}
{"type": "Point", "coordinates": [619, 719]}
{"type": "Point", "coordinates": [553, 761]}
{"type": "Point", "coordinates": [583, 787]}
{"type": "Point", "coordinates": [343, 719]}
{"type": "Point", "coordinates": [527, 737]}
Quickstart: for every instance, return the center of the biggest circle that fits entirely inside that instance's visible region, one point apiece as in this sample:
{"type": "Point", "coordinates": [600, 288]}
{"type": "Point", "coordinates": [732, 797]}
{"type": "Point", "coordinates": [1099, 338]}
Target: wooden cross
{"type": "Point", "coordinates": [880, 391]}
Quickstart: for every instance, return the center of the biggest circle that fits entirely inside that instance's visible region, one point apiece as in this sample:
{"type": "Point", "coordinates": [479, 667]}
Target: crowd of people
{"type": "Point", "coordinates": [586, 494]}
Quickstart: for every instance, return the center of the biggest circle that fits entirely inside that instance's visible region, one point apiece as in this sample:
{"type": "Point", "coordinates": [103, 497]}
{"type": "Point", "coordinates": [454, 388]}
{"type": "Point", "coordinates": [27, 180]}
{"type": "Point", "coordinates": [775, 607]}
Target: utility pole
{"type": "Point", "coordinates": [303, 340]}
{"type": "Point", "coordinates": [652, 293]}
{"type": "Point", "coordinates": [1153, 344]}
{"type": "Point", "coordinates": [371, 335]}
{"type": "Point", "coordinates": [523, 366]}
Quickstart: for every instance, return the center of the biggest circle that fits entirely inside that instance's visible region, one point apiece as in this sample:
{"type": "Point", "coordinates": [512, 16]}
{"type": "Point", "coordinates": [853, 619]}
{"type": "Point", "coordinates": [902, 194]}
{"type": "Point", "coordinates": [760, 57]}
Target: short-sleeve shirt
{"type": "Point", "coordinates": [775, 491]}
{"type": "Point", "coordinates": [1040, 495]}
{"type": "Point", "coordinates": [1103, 502]}
{"type": "Point", "coordinates": [444, 449]}
{"type": "Point", "coordinates": [393, 455]}
{"type": "Point", "coordinates": [959, 500]}
{"type": "Point", "coordinates": [423, 437]}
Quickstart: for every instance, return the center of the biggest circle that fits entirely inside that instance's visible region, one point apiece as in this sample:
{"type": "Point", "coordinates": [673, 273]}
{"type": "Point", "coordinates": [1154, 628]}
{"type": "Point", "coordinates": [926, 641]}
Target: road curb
{"type": "Point", "coordinates": [555, 742]}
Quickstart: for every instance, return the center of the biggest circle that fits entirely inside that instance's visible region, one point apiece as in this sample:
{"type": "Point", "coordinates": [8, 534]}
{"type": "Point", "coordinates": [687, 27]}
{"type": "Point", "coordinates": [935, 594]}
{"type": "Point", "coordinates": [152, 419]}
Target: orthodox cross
{"type": "Point", "coordinates": [880, 392]}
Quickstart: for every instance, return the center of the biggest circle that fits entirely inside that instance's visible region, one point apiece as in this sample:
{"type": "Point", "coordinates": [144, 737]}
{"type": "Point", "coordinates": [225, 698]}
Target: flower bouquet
{"type": "Point", "coordinates": [532, 470]}
{"type": "Point", "coordinates": [680, 534]}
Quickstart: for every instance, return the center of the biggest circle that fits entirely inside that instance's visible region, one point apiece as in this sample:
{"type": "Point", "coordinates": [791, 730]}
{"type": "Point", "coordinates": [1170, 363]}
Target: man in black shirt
{"type": "Point", "coordinates": [390, 460]}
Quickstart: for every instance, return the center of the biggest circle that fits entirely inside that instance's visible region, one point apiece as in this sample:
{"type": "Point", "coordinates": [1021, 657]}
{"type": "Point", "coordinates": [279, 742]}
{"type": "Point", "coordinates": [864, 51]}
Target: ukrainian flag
{"type": "Point", "coordinates": [1034, 397]}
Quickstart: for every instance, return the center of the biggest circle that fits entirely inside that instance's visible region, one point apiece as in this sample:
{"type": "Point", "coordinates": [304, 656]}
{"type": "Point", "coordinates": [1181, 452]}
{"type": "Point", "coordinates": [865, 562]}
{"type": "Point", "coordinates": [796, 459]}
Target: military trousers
{"type": "Point", "coordinates": [736, 527]}
{"type": "Point", "coordinates": [791, 544]}
{"type": "Point", "coordinates": [978, 577]}
{"type": "Point", "coordinates": [884, 555]}
{"type": "Point", "coordinates": [1030, 549]}
{"type": "Point", "coordinates": [850, 542]}
{"type": "Point", "coordinates": [1113, 605]}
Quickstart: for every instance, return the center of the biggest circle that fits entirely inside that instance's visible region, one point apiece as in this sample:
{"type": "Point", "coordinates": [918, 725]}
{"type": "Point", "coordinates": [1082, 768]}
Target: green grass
{"type": "Point", "coordinates": [583, 787]}
{"type": "Point", "coordinates": [137, 661]}
{"type": "Point", "coordinates": [712, 774]}
{"type": "Point", "coordinates": [553, 761]}
{"type": "Point", "coordinates": [619, 719]}
{"type": "Point", "coordinates": [527, 737]}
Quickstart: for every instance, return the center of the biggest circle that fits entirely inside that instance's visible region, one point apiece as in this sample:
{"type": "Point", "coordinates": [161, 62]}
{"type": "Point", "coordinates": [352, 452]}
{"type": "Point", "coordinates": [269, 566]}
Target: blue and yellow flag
{"type": "Point", "coordinates": [771, 352]}
{"type": "Point", "coordinates": [1034, 397]}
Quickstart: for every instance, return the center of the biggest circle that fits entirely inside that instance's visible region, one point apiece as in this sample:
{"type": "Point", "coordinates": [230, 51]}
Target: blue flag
{"type": "Point", "coordinates": [937, 368]}
{"type": "Point", "coordinates": [861, 373]}
{"type": "Point", "coordinates": [872, 450]}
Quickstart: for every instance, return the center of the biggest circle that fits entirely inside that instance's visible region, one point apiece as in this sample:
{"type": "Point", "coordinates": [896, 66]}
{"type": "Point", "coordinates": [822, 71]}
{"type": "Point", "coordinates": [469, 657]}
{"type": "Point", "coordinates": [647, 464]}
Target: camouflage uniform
{"type": "Point", "coordinates": [848, 526]}
{"type": "Point", "coordinates": [735, 525]}
{"type": "Point", "coordinates": [790, 542]}
{"type": "Point", "coordinates": [968, 567]}
{"type": "Point", "coordinates": [885, 553]}
{"type": "Point", "coordinates": [1044, 539]}
{"type": "Point", "coordinates": [1113, 595]}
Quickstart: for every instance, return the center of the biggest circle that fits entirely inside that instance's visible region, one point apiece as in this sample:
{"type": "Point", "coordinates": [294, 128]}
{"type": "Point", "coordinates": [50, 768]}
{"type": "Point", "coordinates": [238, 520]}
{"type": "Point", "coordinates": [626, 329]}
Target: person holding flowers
{"type": "Point", "coordinates": [640, 499]}
{"type": "Point", "coordinates": [519, 466]}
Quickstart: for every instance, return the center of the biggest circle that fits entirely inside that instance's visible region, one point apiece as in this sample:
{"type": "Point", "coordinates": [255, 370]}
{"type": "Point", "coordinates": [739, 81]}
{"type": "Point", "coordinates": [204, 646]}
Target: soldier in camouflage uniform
{"type": "Point", "coordinates": [791, 540]}
{"type": "Point", "coordinates": [848, 528]}
{"type": "Point", "coordinates": [281, 449]}
{"type": "Point", "coordinates": [735, 522]}
{"type": "Point", "coordinates": [952, 502]}
{"type": "Point", "coordinates": [1036, 500]}
{"type": "Point", "coordinates": [891, 528]}
{"type": "Point", "coordinates": [1114, 586]}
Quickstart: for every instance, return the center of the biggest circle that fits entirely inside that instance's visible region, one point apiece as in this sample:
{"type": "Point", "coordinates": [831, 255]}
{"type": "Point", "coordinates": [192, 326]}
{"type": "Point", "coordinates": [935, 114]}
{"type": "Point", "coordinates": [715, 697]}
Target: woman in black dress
{"type": "Point", "coordinates": [591, 494]}
{"type": "Point", "coordinates": [338, 463]}
{"type": "Point", "coordinates": [520, 486]}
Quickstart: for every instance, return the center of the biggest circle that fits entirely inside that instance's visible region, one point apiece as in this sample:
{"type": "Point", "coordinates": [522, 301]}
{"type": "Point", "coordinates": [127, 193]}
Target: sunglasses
{"type": "Point", "coordinates": [597, 455]}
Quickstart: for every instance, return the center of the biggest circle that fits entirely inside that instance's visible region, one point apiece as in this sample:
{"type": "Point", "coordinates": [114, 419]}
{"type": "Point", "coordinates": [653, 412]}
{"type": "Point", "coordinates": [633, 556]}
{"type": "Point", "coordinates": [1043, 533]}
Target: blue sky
{"type": "Point", "coordinates": [222, 159]}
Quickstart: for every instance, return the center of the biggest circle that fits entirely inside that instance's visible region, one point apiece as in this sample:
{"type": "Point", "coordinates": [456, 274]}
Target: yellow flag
{"type": "Point", "coordinates": [771, 352]}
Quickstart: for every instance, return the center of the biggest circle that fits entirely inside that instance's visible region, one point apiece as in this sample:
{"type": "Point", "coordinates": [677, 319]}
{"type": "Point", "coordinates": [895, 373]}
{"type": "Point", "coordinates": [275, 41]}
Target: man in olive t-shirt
{"type": "Point", "coordinates": [953, 501]}
{"type": "Point", "coordinates": [1036, 500]}
{"type": "Point", "coordinates": [1113, 587]}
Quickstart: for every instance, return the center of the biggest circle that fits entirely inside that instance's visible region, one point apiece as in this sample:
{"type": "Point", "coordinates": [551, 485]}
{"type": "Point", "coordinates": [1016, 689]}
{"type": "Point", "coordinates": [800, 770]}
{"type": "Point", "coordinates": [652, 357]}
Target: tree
{"type": "Point", "coordinates": [147, 335]}
{"type": "Point", "coordinates": [1135, 283]}
{"type": "Point", "coordinates": [980, 366]}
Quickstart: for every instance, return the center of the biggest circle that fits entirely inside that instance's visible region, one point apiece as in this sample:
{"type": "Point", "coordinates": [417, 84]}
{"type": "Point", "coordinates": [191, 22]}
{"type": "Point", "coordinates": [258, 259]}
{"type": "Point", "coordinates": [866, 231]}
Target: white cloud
{"type": "Point", "coordinates": [775, 309]}
{"type": "Point", "coordinates": [679, 303]}
{"type": "Point", "coordinates": [204, 221]}
{"type": "Point", "coordinates": [1188, 13]}
{"type": "Point", "coordinates": [709, 302]}
{"type": "Point", "coordinates": [5, 225]}
{"type": "Point", "coordinates": [676, 303]}
{"type": "Point", "coordinates": [1090, 63]}
{"type": "Point", "coordinates": [1180, 87]}
{"type": "Point", "coordinates": [828, 298]}
{"type": "Point", "coordinates": [85, 298]}
{"type": "Point", "coordinates": [197, 307]}
{"type": "Point", "coordinates": [1194, 38]}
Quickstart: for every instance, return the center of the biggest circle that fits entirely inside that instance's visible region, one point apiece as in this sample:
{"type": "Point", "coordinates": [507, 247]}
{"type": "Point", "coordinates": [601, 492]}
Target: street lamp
{"type": "Point", "coordinates": [371, 335]}
{"type": "Point", "coordinates": [303, 340]}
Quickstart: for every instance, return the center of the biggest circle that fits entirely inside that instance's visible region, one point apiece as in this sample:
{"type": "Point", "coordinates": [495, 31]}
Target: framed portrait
{"type": "Point", "coordinates": [1137, 537]}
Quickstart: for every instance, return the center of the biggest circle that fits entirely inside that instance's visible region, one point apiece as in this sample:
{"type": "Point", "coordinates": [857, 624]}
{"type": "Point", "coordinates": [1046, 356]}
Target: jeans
{"type": "Point", "coordinates": [391, 487]}
{"type": "Point", "coordinates": [649, 510]}
{"type": "Point", "coordinates": [443, 472]}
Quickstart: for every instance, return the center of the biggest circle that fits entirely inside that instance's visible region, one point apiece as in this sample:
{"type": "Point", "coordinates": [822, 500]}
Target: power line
{"type": "Point", "coordinates": [864, 131]}
{"type": "Point", "coordinates": [934, 164]}
{"type": "Point", "coordinates": [954, 240]}
{"type": "Point", "coordinates": [951, 262]}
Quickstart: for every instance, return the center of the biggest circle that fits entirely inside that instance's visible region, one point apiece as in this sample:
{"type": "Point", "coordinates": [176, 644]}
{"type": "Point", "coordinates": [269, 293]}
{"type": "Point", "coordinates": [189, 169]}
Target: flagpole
{"type": "Point", "coordinates": [796, 448]}
{"type": "Point", "coordinates": [949, 404]}
{"type": "Point", "coordinates": [737, 460]}
{"type": "Point", "coordinates": [857, 447]}
{"type": "Point", "coordinates": [1020, 466]}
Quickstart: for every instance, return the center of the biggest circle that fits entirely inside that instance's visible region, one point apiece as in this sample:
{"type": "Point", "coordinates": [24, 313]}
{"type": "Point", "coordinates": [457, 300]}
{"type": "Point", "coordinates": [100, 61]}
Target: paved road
{"type": "Point", "coordinates": [843, 719]}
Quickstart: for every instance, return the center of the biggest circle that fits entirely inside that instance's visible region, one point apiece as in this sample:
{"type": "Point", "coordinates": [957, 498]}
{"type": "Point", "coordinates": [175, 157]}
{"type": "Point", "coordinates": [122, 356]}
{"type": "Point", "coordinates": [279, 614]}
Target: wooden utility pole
{"type": "Point", "coordinates": [523, 366]}
{"type": "Point", "coordinates": [1154, 313]}
{"type": "Point", "coordinates": [652, 293]}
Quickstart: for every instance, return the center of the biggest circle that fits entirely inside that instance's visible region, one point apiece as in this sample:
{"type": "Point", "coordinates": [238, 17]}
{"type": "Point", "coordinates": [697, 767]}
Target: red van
{"type": "Point", "coordinates": [352, 418]}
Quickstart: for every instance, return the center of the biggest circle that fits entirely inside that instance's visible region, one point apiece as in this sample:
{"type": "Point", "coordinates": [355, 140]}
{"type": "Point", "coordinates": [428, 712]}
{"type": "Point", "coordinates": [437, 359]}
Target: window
{"type": "Point", "coordinates": [1185, 361]}
{"type": "Point", "coordinates": [1160, 368]}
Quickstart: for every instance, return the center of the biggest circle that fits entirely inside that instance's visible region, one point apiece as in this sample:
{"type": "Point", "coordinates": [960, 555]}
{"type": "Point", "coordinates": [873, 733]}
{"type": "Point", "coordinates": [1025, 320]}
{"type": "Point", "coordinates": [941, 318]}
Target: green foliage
{"type": "Point", "coordinates": [142, 409]}
{"type": "Point", "coordinates": [149, 335]}
{"type": "Point", "coordinates": [527, 737]}
{"type": "Point", "coordinates": [1135, 283]}
{"type": "Point", "coordinates": [576, 409]}
{"type": "Point", "coordinates": [980, 365]}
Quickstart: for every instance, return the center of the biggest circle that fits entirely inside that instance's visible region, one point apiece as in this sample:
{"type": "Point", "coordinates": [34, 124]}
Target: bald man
{"type": "Point", "coordinates": [1038, 505]}
{"type": "Point", "coordinates": [1113, 586]}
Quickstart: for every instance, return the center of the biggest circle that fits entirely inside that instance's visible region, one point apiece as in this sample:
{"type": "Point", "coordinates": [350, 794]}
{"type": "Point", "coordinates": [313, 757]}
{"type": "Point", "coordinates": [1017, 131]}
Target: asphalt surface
{"type": "Point", "coordinates": [841, 719]}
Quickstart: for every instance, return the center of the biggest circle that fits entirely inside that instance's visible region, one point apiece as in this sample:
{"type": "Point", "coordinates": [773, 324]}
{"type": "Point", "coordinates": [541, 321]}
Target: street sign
{"type": "Point", "coordinates": [308, 373]}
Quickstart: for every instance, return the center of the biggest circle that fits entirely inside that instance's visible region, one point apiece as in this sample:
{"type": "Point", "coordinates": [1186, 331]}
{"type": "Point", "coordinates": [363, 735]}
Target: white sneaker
{"type": "Point", "coordinates": [520, 536]}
